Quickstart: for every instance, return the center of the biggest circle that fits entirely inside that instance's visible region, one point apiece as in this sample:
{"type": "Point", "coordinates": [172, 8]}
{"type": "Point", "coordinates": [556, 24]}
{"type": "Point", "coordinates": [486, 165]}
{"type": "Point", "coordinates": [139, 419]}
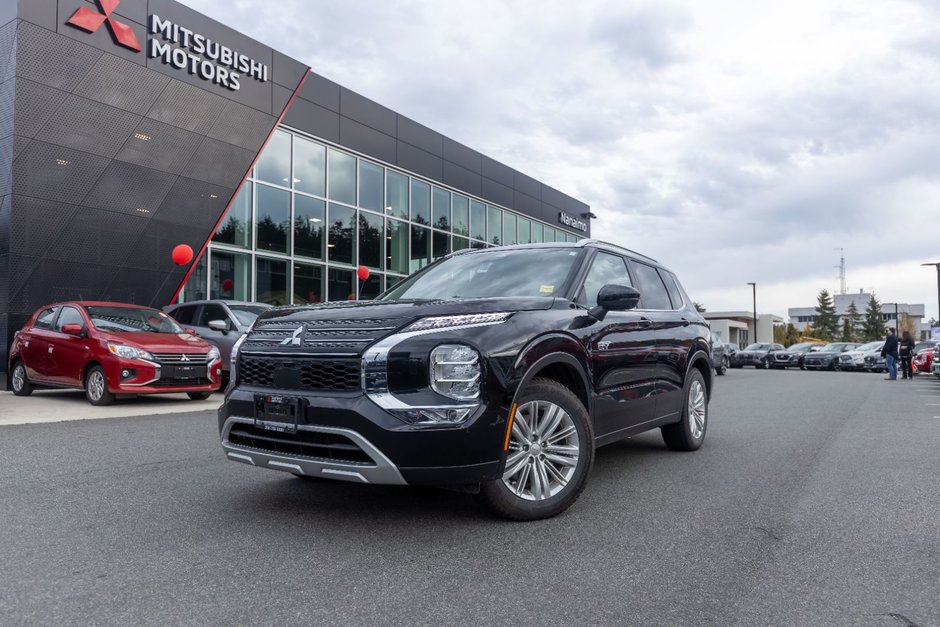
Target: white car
{"type": "Point", "coordinates": [855, 358]}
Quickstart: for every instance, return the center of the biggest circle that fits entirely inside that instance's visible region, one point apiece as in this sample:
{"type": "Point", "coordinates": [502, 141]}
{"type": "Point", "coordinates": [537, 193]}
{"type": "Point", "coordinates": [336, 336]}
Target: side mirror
{"type": "Point", "coordinates": [221, 326]}
{"type": "Point", "coordinates": [73, 329]}
{"type": "Point", "coordinates": [615, 298]}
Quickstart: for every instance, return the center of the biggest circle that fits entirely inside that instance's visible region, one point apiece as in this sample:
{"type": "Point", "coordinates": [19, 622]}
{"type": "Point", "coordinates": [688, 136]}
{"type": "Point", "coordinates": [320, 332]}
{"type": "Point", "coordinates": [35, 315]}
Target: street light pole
{"type": "Point", "coordinates": [754, 291]}
{"type": "Point", "coordinates": [937, 265]}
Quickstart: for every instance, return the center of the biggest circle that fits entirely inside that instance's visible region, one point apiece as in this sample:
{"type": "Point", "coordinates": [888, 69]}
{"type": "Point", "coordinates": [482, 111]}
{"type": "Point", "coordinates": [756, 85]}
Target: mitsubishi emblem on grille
{"type": "Point", "coordinates": [184, 357]}
{"type": "Point", "coordinates": [295, 339]}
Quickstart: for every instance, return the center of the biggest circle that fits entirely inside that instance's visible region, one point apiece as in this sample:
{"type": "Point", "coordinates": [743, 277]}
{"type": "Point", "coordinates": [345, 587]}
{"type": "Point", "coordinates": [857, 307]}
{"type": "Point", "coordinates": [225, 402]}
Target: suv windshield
{"type": "Point", "coordinates": [514, 273]}
{"type": "Point", "coordinates": [758, 347]}
{"type": "Point", "coordinates": [871, 346]}
{"type": "Point", "coordinates": [799, 348]}
{"type": "Point", "coordinates": [132, 320]}
{"type": "Point", "coordinates": [246, 314]}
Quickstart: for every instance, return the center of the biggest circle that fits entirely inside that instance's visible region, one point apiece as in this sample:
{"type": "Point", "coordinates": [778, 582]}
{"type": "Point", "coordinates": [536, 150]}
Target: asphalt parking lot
{"type": "Point", "coordinates": [815, 501]}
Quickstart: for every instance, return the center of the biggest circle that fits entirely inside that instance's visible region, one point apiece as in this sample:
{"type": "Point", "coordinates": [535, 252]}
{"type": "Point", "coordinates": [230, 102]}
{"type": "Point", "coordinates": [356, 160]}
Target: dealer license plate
{"type": "Point", "coordinates": [279, 413]}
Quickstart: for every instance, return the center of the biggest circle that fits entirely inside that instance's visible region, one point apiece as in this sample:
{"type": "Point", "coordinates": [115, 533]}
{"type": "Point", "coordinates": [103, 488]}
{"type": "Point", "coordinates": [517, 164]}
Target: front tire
{"type": "Point", "coordinates": [96, 387]}
{"type": "Point", "coordinates": [19, 381]}
{"type": "Point", "coordinates": [551, 451]}
{"type": "Point", "coordinates": [689, 433]}
{"type": "Point", "coordinates": [198, 396]}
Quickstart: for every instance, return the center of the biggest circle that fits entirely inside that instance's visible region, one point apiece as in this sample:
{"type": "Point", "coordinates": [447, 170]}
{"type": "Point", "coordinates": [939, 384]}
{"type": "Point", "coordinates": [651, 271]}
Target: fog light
{"type": "Point", "coordinates": [433, 415]}
{"type": "Point", "coordinates": [127, 374]}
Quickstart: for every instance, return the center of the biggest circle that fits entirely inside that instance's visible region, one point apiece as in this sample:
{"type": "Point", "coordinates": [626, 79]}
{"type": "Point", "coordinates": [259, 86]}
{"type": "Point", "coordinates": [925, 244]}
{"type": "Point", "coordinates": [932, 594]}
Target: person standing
{"type": "Point", "coordinates": [890, 353]}
{"type": "Point", "coordinates": [906, 353]}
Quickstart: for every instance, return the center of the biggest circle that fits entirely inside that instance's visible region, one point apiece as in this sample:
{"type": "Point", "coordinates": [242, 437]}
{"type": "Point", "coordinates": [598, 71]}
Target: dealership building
{"type": "Point", "coordinates": [128, 127]}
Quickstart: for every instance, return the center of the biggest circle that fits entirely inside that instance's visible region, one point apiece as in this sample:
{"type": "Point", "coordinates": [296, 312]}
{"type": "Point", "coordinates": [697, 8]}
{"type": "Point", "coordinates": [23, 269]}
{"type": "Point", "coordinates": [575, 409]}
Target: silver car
{"type": "Point", "coordinates": [221, 322]}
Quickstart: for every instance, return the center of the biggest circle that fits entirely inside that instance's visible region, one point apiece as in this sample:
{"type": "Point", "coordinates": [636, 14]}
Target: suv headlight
{"type": "Point", "coordinates": [129, 352]}
{"type": "Point", "coordinates": [455, 372]}
{"type": "Point", "coordinates": [213, 354]}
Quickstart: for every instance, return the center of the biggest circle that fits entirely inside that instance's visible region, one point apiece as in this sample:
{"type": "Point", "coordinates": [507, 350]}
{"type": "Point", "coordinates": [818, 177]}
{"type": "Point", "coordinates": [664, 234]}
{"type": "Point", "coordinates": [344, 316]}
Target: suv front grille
{"type": "Point", "coordinates": [344, 335]}
{"type": "Point", "coordinates": [313, 444]}
{"type": "Point", "coordinates": [300, 373]}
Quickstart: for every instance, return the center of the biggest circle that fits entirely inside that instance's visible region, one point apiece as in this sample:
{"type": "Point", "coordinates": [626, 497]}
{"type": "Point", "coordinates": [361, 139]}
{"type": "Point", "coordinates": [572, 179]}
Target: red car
{"type": "Point", "coordinates": [923, 359]}
{"type": "Point", "coordinates": [109, 349]}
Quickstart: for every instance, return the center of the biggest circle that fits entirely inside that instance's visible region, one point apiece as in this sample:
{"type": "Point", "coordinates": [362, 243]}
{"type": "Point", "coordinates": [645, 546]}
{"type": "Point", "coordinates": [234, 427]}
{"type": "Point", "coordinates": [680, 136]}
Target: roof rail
{"type": "Point", "coordinates": [587, 241]}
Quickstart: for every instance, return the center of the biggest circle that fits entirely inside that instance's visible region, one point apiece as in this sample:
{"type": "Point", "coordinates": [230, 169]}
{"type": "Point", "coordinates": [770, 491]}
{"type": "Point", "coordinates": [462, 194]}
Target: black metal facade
{"type": "Point", "coordinates": [109, 159]}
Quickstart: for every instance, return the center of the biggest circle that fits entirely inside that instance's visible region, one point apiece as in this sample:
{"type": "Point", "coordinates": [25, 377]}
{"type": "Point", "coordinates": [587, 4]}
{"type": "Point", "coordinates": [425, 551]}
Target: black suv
{"type": "Point", "coordinates": [494, 371]}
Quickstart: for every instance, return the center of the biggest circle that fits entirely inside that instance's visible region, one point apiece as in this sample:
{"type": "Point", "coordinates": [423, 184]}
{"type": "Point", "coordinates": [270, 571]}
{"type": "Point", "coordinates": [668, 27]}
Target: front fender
{"type": "Point", "coordinates": [550, 349]}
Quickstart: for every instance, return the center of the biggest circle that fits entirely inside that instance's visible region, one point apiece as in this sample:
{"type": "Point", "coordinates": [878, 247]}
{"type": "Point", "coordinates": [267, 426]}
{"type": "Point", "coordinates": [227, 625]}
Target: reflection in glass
{"type": "Point", "coordinates": [309, 216]}
{"type": "Point", "coordinates": [549, 234]}
{"type": "Point", "coordinates": [371, 184]}
{"type": "Point", "coordinates": [341, 284]}
{"type": "Point", "coordinates": [371, 287]}
{"type": "Point", "coordinates": [274, 163]}
{"type": "Point", "coordinates": [341, 171]}
{"type": "Point", "coordinates": [494, 224]}
{"type": "Point", "coordinates": [509, 228]}
{"type": "Point", "coordinates": [477, 220]}
{"type": "Point", "coordinates": [271, 275]}
{"type": "Point", "coordinates": [440, 205]}
{"type": "Point", "coordinates": [273, 219]}
{"type": "Point", "coordinates": [341, 241]}
{"type": "Point", "coordinates": [308, 284]}
{"type": "Point", "coordinates": [460, 243]}
{"type": "Point", "coordinates": [461, 218]}
{"type": "Point", "coordinates": [396, 195]}
{"type": "Point", "coordinates": [396, 252]}
{"type": "Point", "coordinates": [371, 236]}
{"type": "Point", "coordinates": [440, 244]}
{"type": "Point", "coordinates": [309, 166]}
{"type": "Point", "coordinates": [196, 285]}
{"type": "Point", "coordinates": [236, 228]}
{"type": "Point", "coordinates": [231, 276]}
{"type": "Point", "coordinates": [420, 202]}
{"type": "Point", "coordinates": [525, 231]}
{"type": "Point", "coordinates": [536, 232]}
{"type": "Point", "coordinates": [419, 248]}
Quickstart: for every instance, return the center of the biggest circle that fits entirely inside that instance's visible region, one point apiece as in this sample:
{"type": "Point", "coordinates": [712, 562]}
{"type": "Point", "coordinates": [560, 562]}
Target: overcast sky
{"type": "Point", "coordinates": [734, 141]}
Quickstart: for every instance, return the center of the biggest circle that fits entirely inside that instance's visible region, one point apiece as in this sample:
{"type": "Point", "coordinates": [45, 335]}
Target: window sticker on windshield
{"type": "Point", "coordinates": [546, 289]}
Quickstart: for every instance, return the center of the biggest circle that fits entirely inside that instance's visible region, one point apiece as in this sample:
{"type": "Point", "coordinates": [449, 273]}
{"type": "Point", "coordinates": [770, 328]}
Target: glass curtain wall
{"type": "Point", "coordinates": [310, 214]}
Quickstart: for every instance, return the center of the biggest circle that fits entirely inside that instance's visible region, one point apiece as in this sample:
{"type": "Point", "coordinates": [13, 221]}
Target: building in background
{"type": "Point", "coordinates": [736, 326]}
{"type": "Point", "coordinates": [890, 312]}
{"type": "Point", "coordinates": [127, 128]}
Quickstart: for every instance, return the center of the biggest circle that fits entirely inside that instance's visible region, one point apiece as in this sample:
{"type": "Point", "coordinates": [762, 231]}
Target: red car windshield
{"type": "Point", "coordinates": [132, 320]}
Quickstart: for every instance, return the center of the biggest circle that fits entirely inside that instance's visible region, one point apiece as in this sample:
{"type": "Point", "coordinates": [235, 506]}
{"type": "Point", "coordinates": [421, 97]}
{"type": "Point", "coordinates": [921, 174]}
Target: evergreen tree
{"type": "Point", "coordinates": [848, 333]}
{"type": "Point", "coordinates": [808, 331]}
{"type": "Point", "coordinates": [854, 320]}
{"type": "Point", "coordinates": [792, 335]}
{"type": "Point", "coordinates": [873, 327]}
{"type": "Point", "coordinates": [827, 321]}
{"type": "Point", "coordinates": [699, 307]}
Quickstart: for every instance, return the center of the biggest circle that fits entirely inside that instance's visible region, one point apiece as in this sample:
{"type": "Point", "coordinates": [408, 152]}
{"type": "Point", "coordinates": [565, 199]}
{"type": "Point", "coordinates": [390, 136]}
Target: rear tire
{"type": "Point", "coordinates": [19, 381]}
{"type": "Point", "coordinates": [551, 451]}
{"type": "Point", "coordinates": [198, 396]}
{"type": "Point", "coordinates": [689, 433]}
{"type": "Point", "coordinates": [96, 387]}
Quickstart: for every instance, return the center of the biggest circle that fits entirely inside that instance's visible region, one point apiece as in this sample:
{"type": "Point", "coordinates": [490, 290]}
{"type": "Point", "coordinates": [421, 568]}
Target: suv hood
{"type": "Point", "coordinates": [158, 342]}
{"type": "Point", "coordinates": [402, 310]}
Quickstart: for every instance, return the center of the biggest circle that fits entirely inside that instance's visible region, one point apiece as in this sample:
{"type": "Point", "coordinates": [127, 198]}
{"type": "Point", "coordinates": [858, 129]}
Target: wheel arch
{"type": "Point", "coordinates": [701, 362]}
{"type": "Point", "coordinates": [560, 358]}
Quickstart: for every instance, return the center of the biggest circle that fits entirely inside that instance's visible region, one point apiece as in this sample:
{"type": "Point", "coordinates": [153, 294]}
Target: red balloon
{"type": "Point", "coordinates": [362, 273]}
{"type": "Point", "coordinates": [228, 285]}
{"type": "Point", "coordinates": [182, 254]}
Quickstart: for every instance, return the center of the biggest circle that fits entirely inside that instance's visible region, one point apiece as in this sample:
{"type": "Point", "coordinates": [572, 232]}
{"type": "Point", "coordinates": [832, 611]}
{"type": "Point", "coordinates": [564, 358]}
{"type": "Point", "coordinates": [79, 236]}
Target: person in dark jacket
{"type": "Point", "coordinates": [890, 353]}
{"type": "Point", "coordinates": [906, 353]}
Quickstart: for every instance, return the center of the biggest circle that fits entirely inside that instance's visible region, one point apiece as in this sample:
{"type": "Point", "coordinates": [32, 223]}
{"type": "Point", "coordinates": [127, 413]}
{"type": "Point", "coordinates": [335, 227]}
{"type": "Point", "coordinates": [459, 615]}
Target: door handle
{"type": "Point", "coordinates": [645, 323]}
{"type": "Point", "coordinates": [50, 348]}
{"type": "Point", "coordinates": [686, 322]}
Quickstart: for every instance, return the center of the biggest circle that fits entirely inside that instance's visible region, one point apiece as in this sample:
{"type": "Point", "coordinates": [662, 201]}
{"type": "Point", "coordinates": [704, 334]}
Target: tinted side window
{"type": "Point", "coordinates": [605, 270]}
{"type": "Point", "coordinates": [69, 315]}
{"type": "Point", "coordinates": [653, 294]}
{"type": "Point", "coordinates": [671, 286]}
{"type": "Point", "coordinates": [45, 319]}
{"type": "Point", "coordinates": [184, 315]}
{"type": "Point", "coordinates": [210, 313]}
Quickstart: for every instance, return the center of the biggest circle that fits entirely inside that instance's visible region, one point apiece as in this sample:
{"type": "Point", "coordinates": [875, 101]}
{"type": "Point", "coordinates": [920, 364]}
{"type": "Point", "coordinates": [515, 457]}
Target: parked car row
{"type": "Point", "coordinates": [851, 356]}
{"type": "Point", "coordinates": [109, 349]}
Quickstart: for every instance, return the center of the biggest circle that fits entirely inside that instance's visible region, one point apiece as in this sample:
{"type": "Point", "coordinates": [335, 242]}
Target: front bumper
{"type": "Point", "coordinates": [127, 376]}
{"type": "Point", "coordinates": [348, 437]}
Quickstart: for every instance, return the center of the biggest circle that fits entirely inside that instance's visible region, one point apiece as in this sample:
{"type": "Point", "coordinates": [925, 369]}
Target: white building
{"type": "Point", "coordinates": [890, 312]}
{"type": "Point", "coordinates": [736, 326]}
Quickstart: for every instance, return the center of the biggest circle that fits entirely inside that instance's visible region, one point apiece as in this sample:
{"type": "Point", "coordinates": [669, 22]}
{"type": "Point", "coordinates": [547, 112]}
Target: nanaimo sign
{"type": "Point", "coordinates": [564, 218]}
{"type": "Point", "coordinates": [195, 53]}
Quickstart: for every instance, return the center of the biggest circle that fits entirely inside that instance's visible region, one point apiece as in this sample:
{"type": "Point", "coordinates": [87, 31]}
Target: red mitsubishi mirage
{"type": "Point", "coordinates": [109, 349]}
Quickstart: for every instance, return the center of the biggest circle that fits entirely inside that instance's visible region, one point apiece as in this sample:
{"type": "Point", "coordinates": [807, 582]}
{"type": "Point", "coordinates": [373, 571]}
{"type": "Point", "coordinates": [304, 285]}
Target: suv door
{"type": "Point", "coordinates": [224, 341]}
{"type": "Point", "coordinates": [68, 353]}
{"type": "Point", "coordinates": [674, 331]}
{"type": "Point", "coordinates": [622, 353]}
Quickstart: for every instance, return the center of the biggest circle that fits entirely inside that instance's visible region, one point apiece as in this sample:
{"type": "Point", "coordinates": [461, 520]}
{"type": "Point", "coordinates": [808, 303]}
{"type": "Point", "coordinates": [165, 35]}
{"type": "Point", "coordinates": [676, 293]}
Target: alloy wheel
{"type": "Point", "coordinates": [698, 410]}
{"type": "Point", "coordinates": [95, 385]}
{"type": "Point", "coordinates": [19, 377]}
{"type": "Point", "coordinates": [543, 451]}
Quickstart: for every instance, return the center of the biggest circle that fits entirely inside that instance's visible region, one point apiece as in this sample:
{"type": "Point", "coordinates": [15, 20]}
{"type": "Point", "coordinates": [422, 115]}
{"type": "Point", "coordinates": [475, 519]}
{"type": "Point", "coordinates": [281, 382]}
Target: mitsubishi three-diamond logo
{"type": "Point", "coordinates": [90, 20]}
